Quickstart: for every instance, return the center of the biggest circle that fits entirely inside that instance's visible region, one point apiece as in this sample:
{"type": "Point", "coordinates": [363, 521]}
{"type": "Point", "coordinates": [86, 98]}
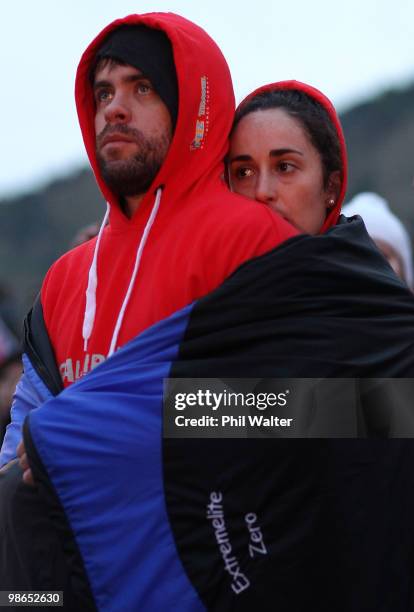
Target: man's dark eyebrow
{"type": "Point", "coordinates": [130, 78]}
{"type": "Point", "coordinates": [102, 83]}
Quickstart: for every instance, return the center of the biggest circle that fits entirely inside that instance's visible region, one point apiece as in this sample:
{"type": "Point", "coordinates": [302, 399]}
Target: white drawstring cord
{"type": "Point", "coordinates": [135, 271]}
{"type": "Point", "coordinates": [90, 308]}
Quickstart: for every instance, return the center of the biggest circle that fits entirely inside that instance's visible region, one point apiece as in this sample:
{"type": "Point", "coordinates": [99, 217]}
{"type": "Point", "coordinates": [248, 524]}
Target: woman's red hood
{"type": "Point", "coordinates": [317, 95]}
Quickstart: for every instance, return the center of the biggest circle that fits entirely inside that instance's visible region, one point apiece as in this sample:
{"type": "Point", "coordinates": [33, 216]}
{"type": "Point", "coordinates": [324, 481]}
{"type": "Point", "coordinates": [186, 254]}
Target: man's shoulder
{"type": "Point", "coordinates": [73, 258]}
{"type": "Point", "coordinates": [233, 229]}
{"type": "Point", "coordinates": [236, 214]}
{"type": "Point", "coordinates": [225, 209]}
{"type": "Point", "coordinates": [68, 269]}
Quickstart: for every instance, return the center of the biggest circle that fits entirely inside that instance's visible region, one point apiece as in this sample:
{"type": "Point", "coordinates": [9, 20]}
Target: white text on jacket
{"type": "Point", "coordinates": [71, 370]}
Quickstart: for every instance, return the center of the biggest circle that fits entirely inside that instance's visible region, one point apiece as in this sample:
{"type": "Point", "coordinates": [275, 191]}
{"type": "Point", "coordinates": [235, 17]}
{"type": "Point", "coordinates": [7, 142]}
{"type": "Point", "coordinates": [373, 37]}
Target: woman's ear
{"type": "Point", "coordinates": [333, 188]}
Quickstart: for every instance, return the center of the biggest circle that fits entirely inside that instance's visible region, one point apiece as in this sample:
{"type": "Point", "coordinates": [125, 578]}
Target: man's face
{"type": "Point", "coordinates": [133, 128]}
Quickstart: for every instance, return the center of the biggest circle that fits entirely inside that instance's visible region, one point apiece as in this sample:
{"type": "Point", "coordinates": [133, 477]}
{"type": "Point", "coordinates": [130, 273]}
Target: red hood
{"type": "Point", "coordinates": [179, 245]}
{"type": "Point", "coordinates": [317, 95]}
{"type": "Point", "coordinates": [198, 61]}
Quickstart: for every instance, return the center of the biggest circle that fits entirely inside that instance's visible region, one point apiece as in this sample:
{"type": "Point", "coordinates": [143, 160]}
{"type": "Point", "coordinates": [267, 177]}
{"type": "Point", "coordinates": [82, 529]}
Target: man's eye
{"type": "Point", "coordinates": [103, 95]}
{"type": "Point", "coordinates": [144, 88]}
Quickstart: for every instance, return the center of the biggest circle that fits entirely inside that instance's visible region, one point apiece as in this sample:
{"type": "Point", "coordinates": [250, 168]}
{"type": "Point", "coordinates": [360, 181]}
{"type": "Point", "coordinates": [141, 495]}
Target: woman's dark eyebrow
{"type": "Point", "coordinates": [278, 152]}
{"type": "Point", "coordinates": [244, 158]}
{"type": "Point", "coordinates": [272, 153]}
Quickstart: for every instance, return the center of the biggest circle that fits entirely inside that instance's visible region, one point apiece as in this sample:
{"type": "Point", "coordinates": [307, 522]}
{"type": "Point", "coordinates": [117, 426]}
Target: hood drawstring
{"type": "Point", "coordinates": [140, 250]}
{"type": "Point", "coordinates": [90, 308]}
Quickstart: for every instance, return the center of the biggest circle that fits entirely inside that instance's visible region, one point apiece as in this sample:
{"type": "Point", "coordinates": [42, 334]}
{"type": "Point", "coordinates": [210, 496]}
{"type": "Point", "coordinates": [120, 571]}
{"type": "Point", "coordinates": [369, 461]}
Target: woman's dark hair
{"type": "Point", "coordinates": [311, 114]}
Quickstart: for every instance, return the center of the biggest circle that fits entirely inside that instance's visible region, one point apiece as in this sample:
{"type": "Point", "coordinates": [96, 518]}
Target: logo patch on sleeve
{"type": "Point", "coordinates": [202, 123]}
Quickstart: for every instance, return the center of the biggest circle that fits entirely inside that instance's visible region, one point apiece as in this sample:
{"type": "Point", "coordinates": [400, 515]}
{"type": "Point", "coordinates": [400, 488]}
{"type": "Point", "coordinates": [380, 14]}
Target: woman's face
{"type": "Point", "coordinates": [272, 160]}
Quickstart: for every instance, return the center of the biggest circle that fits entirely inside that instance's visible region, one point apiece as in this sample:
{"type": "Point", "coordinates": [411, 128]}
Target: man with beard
{"type": "Point", "coordinates": [155, 117]}
{"type": "Point", "coordinates": [155, 104]}
{"type": "Point", "coordinates": [149, 522]}
{"type": "Point", "coordinates": [133, 119]}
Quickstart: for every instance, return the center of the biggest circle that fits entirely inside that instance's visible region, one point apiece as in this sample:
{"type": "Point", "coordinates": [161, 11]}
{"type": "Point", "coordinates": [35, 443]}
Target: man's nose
{"type": "Point", "coordinates": [266, 189]}
{"type": "Point", "coordinates": [117, 111]}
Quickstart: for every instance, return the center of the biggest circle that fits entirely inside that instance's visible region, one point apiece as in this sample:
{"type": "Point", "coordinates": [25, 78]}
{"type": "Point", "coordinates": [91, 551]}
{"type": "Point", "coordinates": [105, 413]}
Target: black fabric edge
{"type": "Point", "coordinates": [337, 232]}
{"type": "Point", "coordinates": [81, 594]}
{"type": "Point", "coordinates": [37, 346]}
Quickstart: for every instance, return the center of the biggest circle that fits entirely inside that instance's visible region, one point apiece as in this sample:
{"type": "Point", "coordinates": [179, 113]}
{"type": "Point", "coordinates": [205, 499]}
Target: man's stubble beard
{"type": "Point", "coordinates": [133, 176]}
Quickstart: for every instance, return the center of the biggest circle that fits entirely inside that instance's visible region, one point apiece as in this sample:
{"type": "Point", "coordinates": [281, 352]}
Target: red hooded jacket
{"type": "Point", "coordinates": [201, 232]}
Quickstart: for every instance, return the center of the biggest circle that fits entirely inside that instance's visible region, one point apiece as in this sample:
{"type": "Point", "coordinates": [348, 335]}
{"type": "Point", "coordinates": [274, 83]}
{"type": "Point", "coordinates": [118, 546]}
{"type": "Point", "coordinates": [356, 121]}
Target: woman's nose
{"type": "Point", "coordinates": [266, 189]}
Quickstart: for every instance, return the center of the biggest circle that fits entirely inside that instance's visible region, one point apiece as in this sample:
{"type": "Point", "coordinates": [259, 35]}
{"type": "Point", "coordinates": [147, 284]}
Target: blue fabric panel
{"type": "Point", "coordinates": [101, 443]}
{"type": "Point", "coordinates": [30, 393]}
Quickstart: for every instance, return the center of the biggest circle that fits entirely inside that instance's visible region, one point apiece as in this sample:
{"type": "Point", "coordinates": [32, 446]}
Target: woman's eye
{"type": "Point", "coordinates": [244, 172]}
{"type": "Point", "coordinates": [285, 167]}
